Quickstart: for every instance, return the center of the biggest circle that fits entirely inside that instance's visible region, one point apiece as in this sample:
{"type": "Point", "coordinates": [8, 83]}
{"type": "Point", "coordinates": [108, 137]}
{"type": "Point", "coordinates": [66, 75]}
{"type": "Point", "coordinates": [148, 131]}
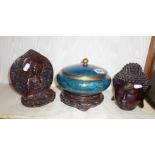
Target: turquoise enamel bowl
{"type": "Point", "coordinates": [81, 86]}
{"type": "Point", "coordinates": [83, 79]}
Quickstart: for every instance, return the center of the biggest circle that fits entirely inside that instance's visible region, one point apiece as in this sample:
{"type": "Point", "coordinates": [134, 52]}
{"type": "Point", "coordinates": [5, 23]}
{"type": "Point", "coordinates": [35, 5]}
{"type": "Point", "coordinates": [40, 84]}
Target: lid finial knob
{"type": "Point", "coordinates": [85, 61]}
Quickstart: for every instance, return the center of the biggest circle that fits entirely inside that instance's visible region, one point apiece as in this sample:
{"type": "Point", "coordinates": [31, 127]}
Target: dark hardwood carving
{"type": "Point", "coordinates": [31, 76]}
{"type": "Point", "coordinates": [126, 95]}
{"type": "Point", "coordinates": [80, 101]}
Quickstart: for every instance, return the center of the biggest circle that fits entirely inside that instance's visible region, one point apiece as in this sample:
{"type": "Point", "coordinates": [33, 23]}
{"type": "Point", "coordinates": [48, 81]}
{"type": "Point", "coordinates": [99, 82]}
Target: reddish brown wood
{"type": "Point", "coordinates": [80, 101]}
{"type": "Point", "coordinates": [150, 60]}
{"type": "Point", "coordinates": [31, 76]}
{"type": "Point", "coordinates": [126, 95]}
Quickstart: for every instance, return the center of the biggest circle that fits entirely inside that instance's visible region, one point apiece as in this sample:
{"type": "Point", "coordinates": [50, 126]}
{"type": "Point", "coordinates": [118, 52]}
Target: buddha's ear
{"type": "Point", "coordinates": [119, 82]}
{"type": "Point", "coordinates": [113, 80]}
{"type": "Point", "coordinates": [146, 89]}
{"type": "Point", "coordinates": [149, 87]}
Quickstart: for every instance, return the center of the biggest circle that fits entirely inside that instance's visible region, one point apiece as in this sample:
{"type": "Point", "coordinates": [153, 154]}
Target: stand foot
{"type": "Point", "coordinates": [79, 101]}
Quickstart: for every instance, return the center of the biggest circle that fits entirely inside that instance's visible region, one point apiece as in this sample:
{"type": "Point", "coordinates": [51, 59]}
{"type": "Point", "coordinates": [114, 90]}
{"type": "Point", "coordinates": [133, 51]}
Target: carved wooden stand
{"type": "Point", "coordinates": [80, 101]}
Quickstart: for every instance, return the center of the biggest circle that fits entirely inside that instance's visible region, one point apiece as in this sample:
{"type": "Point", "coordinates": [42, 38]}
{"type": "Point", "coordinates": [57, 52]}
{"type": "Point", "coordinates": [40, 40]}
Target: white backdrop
{"type": "Point", "coordinates": [111, 53]}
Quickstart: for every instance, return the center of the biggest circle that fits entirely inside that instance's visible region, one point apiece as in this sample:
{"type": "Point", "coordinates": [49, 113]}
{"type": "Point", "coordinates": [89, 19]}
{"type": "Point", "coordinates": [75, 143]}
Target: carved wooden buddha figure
{"type": "Point", "coordinates": [31, 75]}
{"type": "Point", "coordinates": [130, 87]}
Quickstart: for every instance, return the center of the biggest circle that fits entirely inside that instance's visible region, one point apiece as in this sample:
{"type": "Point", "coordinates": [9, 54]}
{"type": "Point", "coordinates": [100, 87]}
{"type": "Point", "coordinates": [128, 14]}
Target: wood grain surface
{"type": "Point", "coordinates": [150, 60]}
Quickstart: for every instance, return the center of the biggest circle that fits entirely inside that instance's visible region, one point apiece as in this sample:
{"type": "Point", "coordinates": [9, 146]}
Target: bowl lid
{"type": "Point", "coordinates": [84, 71]}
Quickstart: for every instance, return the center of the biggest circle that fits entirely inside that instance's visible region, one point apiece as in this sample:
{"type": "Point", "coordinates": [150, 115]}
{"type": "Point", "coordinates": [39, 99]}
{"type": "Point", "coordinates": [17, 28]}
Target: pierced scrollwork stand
{"type": "Point", "coordinates": [80, 101]}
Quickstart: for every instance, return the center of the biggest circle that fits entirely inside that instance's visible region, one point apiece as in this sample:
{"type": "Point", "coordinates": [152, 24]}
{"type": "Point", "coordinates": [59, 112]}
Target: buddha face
{"type": "Point", "coordinates": [128, 95]}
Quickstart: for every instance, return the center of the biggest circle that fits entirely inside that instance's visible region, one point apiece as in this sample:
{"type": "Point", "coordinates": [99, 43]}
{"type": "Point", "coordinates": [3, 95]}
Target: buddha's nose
{"type": "Point", "coordinates": [124, 97]}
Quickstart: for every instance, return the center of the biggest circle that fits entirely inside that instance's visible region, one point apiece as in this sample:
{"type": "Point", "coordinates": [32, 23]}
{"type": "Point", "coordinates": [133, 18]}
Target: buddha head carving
{"type": "Point", "coordinates": [130, 86]}
{"type": "Point", "coordinates": [31, 75]}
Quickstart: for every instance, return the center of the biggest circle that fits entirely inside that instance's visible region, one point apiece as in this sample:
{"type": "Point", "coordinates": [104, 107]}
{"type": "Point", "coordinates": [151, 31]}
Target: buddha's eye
{"type": "Point", "coordinates": [129, 86]}
{"type": "Point", "coordinates": [132, 91]}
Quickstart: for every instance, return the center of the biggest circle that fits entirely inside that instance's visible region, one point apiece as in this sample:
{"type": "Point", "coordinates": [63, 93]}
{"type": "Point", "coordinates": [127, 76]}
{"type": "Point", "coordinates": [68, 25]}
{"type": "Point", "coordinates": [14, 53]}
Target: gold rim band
{"type": "Point", "coordinates": [84, 78]}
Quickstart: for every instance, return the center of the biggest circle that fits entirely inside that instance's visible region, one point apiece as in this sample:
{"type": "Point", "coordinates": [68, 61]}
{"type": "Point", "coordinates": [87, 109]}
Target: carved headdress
{"type": "Point", "coordinates": [132, 73]}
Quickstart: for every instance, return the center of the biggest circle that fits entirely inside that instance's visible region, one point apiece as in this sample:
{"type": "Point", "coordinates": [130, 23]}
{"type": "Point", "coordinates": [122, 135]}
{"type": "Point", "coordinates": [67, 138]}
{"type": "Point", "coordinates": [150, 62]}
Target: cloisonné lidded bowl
{"type": "Point", "coordinates": [84, 78]}
{"type": "Point", "coordinates": [82, 85]}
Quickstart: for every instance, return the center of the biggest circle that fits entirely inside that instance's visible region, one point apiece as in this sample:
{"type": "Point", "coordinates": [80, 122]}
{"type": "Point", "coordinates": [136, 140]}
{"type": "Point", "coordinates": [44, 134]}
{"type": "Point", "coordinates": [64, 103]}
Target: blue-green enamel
{"type": "Point", "coordinates": [83, 70]}
{"type": "Point", "coordinates": [83, 87]}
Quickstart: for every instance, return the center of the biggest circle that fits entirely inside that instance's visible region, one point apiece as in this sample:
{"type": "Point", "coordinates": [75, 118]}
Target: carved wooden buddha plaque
{"type": "Point", "coordinates": [32, 75]}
